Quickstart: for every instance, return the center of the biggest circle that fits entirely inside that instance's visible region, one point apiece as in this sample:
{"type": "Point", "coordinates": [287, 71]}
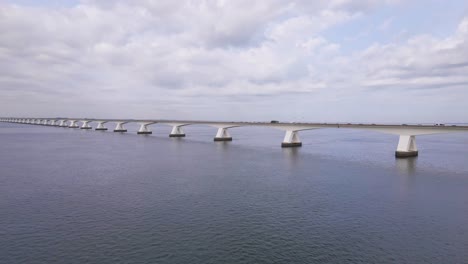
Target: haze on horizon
{"type": "Point", "coordinates": [324, 61]}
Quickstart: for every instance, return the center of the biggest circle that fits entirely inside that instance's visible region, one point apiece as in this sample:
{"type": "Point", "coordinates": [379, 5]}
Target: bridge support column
{"type": "Point", "coordinates": [86, 125]}
{"type": "Point", "coordinates": [291, 139]}
{"type": "Point", "coordinates": [52, 123]}
{"type": "Point", "coordinates": [63, 123]}
{"type": "Point", "coordinates": [100, 126]}
{"type": "Point", "coordinates": [73, 124]}
{"type": "Point", "coordinates": [222, 135]}
{"type": "Point", "coordinates": [119, 127]}
{"type": "Point", "coordinates": [144, 129]}
{"type": "Point", "coordinates": [45, 122]}
{"type": "Point", "coordinates": [406, 147]}
{"type": "Point", "coordinates": [178, 132]}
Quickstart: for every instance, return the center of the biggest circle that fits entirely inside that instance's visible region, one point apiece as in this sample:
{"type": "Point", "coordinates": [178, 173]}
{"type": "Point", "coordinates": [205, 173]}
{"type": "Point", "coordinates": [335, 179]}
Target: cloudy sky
{"type": "Point", "coordinates": [338, 60]}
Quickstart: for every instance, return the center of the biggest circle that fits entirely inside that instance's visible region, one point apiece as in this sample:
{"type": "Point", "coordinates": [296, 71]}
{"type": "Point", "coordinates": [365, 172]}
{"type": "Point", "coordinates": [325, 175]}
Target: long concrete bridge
{"type": "Point", "coordinates": [406, 144]}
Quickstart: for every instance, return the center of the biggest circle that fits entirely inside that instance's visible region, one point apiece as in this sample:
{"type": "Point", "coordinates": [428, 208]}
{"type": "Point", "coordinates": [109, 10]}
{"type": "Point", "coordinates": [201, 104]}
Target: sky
{"type": "Point", "coordinates": [241, 60]}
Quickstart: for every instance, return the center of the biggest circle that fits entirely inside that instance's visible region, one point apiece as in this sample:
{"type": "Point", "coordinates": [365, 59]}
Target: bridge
{"type": "Point", "coordinates": [406, 145]}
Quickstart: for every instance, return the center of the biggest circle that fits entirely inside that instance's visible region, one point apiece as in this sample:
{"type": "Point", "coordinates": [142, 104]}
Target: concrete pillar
{"type": "Point", "coordinates": [53, 122]}
{"type": "Point", "coordinates": [45, 122]}
{"type": "Point", "coordinates": [222, 135]}
{"type": "Point", "coordinates": [291, 139]}
{"type": "Point", "coordinates": [73, 124]}
{"type": "Point", "coordinates": [406, 147]}
{"type": "Point", "coordinates": [100, 126]}
{"type": "Point", "coordinates": [85, 124]}
{"type": "Point", "coordinates": [178, 132]}
{"type": "Point", "coordinates": [144, 129]}
{"type": "Point", "coordinates": [119, 127]}
{"type": "Point", "coordinates": [63, 123]}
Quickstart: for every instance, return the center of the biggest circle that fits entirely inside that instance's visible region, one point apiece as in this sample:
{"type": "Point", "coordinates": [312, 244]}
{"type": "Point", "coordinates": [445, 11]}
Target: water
{"type": "Point", "coordinates": [73, 196]}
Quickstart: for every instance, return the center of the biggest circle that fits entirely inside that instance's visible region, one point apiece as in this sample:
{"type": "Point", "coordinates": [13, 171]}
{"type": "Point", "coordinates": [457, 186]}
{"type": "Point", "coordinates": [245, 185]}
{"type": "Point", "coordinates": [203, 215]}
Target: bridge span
{"type": "Point", "coordinates": [406, 145]}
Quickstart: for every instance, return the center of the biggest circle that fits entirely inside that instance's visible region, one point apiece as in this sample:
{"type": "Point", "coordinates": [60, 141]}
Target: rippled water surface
{"type": "Point", "coordinates": [74, 196]}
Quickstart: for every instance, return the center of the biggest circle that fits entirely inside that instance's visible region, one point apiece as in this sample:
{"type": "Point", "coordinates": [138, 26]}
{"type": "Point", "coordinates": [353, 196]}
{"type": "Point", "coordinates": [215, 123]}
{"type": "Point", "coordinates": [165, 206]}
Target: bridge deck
{"type": "Point", "coordinates": [269, 124]}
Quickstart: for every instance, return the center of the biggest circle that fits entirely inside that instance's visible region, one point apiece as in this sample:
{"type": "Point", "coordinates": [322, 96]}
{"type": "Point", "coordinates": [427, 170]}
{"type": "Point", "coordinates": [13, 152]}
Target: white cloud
{"type": "Point", "coordinates": [386, 24]}
{"type": "Point", "coordinates": [107, 52]}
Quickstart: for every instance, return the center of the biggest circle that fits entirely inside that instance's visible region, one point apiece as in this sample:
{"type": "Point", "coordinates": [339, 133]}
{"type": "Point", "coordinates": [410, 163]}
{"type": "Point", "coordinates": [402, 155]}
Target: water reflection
{"type": "Point", "coordinates": [222, 145]}
{"type": "Point", "coordinates": [406, 165]}
{"type": "Point", "coordinates": [177, 143]}
{"type": "Point", "coordinates": [291, 155]}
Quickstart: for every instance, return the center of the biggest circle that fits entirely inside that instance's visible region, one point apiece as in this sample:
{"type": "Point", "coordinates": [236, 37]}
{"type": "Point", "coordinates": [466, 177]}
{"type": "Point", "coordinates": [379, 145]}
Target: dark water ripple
{"type": "Point", "coordinates": [71, 196]}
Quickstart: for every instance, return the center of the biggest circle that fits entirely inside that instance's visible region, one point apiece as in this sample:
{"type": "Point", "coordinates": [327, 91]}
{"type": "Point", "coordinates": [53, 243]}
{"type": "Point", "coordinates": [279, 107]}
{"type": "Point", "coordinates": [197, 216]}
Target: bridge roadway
{"type": "Point", "coordinates": [406, 144]}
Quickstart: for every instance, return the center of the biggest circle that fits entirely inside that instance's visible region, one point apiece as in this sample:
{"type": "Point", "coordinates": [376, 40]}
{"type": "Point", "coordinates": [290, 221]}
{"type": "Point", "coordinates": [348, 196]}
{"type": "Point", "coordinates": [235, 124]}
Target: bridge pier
{"type": "Point", "coordinates": [85, 124]}
{"type": "Point", "coordinates": [52, 123]}
{"type": "Point", "coordinates": [63, 123]}
{"type": "Point", "coordinates": [73, 124]}
{"type": "Point", "coordinates": [100, 126]}
{"type": "Point", "coordinates": [291, 139]}
{"type": "Point", "coordinates": [177, 132]}
{"type": "Point", "coordinates": [144, 129]}
{"type": "Point", "coordinates": [406, 147]}
{"type": "Point", "coordinates": [222, 135]}
{"type": "Point", "coordinates": [119, 127]}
